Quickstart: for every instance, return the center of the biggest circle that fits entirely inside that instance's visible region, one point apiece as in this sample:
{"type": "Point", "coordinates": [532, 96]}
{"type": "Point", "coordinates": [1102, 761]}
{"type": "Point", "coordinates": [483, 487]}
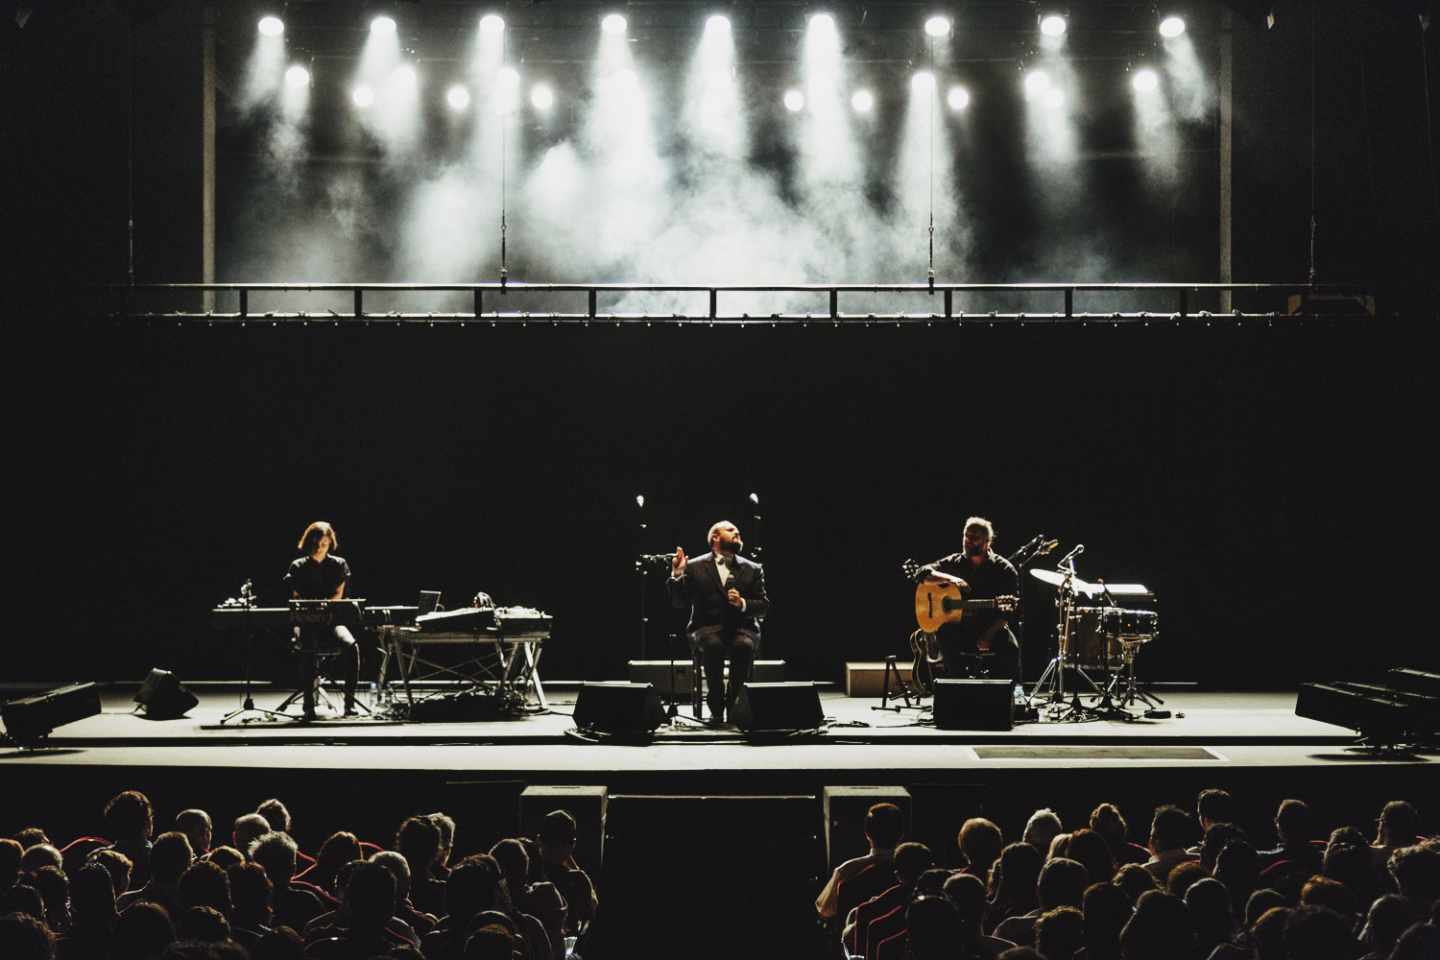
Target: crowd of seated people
{"type": "Point", "coordinates": [136, 895]}
{"type": "Point", "coordinates": [1199, 888]}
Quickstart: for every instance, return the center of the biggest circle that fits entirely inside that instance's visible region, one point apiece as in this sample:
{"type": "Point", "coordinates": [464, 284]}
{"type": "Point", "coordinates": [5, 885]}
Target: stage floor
{"type": "Point", "coordinates": [1207, 729]}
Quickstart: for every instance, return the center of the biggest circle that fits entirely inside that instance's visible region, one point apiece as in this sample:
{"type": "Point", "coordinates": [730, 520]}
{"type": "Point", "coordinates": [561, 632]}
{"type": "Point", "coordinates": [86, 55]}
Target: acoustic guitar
{"type": "Point", "coordinates": [939, 600]}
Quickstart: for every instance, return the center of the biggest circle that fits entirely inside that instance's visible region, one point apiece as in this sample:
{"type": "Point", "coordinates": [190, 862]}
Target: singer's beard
{"type": "Point", "coordinates": [974, 551]}
{"type": "Point", "coordinates": [731, 547]}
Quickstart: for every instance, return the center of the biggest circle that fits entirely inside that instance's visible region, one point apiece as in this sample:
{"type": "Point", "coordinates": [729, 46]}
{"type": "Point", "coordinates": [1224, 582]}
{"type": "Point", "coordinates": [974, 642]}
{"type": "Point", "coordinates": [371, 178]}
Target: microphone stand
{"type": "Point", "coordinates": [643, 565]}
{"type": "Point", "coordinates": [1033, 550]}
{"type": "Point", "coordinates": [247, 704]}
{"type": "Point", "coordinates": [640, 569]}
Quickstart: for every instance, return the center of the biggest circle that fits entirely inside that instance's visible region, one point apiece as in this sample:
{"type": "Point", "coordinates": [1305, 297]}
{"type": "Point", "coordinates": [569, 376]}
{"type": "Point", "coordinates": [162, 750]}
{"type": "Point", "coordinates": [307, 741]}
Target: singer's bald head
{"type": "Point", "coordinates": [724, 535]}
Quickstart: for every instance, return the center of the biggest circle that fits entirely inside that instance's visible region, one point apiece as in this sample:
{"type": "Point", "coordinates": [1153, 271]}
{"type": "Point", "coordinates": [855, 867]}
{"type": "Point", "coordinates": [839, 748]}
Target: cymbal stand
{"type": "Point", "coordinates": [1050, 688]}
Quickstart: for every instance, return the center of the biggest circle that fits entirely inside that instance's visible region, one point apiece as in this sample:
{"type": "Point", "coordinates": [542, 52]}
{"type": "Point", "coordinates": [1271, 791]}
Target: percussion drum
{"type": "Point", "coordinates": [1139, 626]}
{"type": "Point", "coordinates": [1090, 645]}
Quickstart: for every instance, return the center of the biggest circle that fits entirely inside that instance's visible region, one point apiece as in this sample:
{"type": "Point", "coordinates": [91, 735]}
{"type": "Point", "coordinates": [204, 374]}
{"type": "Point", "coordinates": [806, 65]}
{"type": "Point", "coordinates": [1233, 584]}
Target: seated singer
{"type": "Point", "coordinates": [726, 596]}
{"type": "Point", "coordinates": [321, 575]}
{"type": "Point", "coordinates": [981, 644]}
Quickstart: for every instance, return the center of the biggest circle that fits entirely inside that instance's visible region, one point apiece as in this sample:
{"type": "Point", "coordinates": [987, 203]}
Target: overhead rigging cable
{"type": "Point", "coordinates": [933, 106]}
{"type": "Point", "coordinates": [504, 162]}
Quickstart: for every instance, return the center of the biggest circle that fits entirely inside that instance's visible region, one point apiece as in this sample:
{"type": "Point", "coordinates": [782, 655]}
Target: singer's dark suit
{"type": "Point", "coordinates": [716, 628]}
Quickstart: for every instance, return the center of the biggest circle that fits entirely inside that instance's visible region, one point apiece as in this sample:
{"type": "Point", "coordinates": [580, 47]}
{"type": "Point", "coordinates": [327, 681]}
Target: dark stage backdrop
{"type": "Point", "coordinates": [1266, 482]}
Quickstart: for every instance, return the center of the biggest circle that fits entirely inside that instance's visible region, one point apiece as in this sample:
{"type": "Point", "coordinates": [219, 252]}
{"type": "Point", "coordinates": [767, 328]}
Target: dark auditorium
{"type": "Point", "coordinates": [720, 480]}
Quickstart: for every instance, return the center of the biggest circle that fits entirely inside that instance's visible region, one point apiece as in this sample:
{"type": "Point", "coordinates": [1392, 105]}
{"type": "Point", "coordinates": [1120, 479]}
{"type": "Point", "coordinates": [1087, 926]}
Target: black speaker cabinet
{"type": "Point", "coordinates": [1379, 713]}
{"type": "Point", "coordinates": [163, 697]}
{"type": "Point", "coordinates": [1414, 681]}
{"type": "Point", "coordinates": [974, 704]}
{"type": "Point", "coordinates": [778, 707]}
{"type": "Point", "coordinates": [618, 709]}
{"type": "Point", "coordinates": [32, 719]}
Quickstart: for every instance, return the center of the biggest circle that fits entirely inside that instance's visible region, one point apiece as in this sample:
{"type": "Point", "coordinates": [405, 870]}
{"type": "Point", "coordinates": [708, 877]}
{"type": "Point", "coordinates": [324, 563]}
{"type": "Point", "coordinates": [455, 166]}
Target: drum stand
{"type": "Point", "coordinates": [1050, 688]}
{"type": "Point", "coordinates": [1124, 682]}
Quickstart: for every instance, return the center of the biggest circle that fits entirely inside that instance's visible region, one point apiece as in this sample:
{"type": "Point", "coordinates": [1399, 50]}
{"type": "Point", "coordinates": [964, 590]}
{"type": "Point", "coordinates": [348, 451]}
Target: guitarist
{"type": "Point", "coordinates": [981, 644]}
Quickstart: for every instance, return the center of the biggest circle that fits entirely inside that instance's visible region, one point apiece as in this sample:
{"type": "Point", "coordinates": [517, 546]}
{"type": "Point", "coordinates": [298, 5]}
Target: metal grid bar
{"type": "Point", "coordinates": [130, 297]}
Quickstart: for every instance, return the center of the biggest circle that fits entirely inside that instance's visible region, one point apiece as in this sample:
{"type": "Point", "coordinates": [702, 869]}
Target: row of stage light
{"type": "Point", "coordinates": [1037, 83]}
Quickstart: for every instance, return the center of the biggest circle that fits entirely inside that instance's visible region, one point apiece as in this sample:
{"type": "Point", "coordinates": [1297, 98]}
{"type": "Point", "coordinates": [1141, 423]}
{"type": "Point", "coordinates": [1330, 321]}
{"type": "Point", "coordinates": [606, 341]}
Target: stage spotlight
{"type": "Point", "coordinates": [491, 24]}
{"type": "Point", "coordinates": [863, 101]}
{"type": "Point", "coordinates": [794, 101]}
{"type": "Point", "coordinates": [382, 26]}
{"type": "Point", "coordinates": [271, 26]}
{"type": "Point", "coordinates": [404, 76]}
{"type": "Point", "coordinates": [457, 97]}
{"type": "Point", "coordinates": [821, 21]}
{"type": "Point", "coordinates": [297, 76]}
{"type": "Point", "coordinates": [363, 96]}
{"type": "Point", "coordinates": [1055, 98]}
{"type": "Point", "coordinates": [923, 82]}
{"type": "Point", "coordinates": [1145, 80]}
{"type": "Point", "coordinates": [1053, 25]}
{"type": "Point", "coordinates": [1036, 83]}
{"type": "Point", "coordinates": [718, 23]}
{"type": "Point", "coordinates": [613, 23]}
{"type": "Point", "coordinates": [937, 26]}
{"type": "Point", "coordinates": [542, 98]}
{"type": "Point", "coordinates": [958, 98]}
{"type": "Point", "coordinates": [1171, 27]}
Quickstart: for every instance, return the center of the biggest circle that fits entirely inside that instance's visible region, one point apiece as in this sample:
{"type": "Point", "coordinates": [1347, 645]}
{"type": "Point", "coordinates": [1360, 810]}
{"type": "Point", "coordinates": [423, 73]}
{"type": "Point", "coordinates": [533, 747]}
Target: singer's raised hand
{"type": "Point", "coordinates": [677, 565]}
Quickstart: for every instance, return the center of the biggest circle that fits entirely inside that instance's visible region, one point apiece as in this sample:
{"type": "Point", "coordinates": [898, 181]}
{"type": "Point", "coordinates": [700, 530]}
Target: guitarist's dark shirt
{"type": "Point", "coordinates": [993, 578]}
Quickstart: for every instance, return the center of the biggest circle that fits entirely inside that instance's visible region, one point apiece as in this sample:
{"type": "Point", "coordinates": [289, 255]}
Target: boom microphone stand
{"type": "Point", "coordinates": [247, 704]}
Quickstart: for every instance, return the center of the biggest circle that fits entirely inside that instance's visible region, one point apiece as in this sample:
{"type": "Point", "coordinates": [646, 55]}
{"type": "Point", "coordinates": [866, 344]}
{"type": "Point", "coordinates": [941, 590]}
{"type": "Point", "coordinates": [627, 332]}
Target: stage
{"type": "Point", "coordinates": [1207, 729]}
{"type": "Point", "coordinates": [769, 798]}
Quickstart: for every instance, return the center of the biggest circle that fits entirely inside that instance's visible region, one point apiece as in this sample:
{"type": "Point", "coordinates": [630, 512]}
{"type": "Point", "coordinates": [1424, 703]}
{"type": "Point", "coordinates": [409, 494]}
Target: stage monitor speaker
{"type": "Point", "coordinates": [31, 719]}
{"type": "Point", "coordinates": [618, 709]}
{"type": "Point", "coordinates": [163, 697]}
{"type": "Point", "coordinates": [778, 707]}
{"type": "Point", "coordinates": [1380, 718]}
{"type": "Point", "coordinates": [1414, 681]}
{"type": "Point", "coordinates": [974, 704]}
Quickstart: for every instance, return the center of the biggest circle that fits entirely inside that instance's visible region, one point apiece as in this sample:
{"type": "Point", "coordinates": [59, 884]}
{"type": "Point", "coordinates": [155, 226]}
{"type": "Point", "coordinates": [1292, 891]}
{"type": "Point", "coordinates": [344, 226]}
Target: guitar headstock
{"type": "Point", "coordinates": [1007, 603]}
{"type": "Point", "coordinates": [910, 568]}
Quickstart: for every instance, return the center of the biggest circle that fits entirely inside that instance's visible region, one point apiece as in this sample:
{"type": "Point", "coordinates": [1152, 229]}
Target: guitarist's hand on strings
{"type": "Point", "coordinates": [677, 565]}
{"type": "Point", "coordinates": [935, 576]}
